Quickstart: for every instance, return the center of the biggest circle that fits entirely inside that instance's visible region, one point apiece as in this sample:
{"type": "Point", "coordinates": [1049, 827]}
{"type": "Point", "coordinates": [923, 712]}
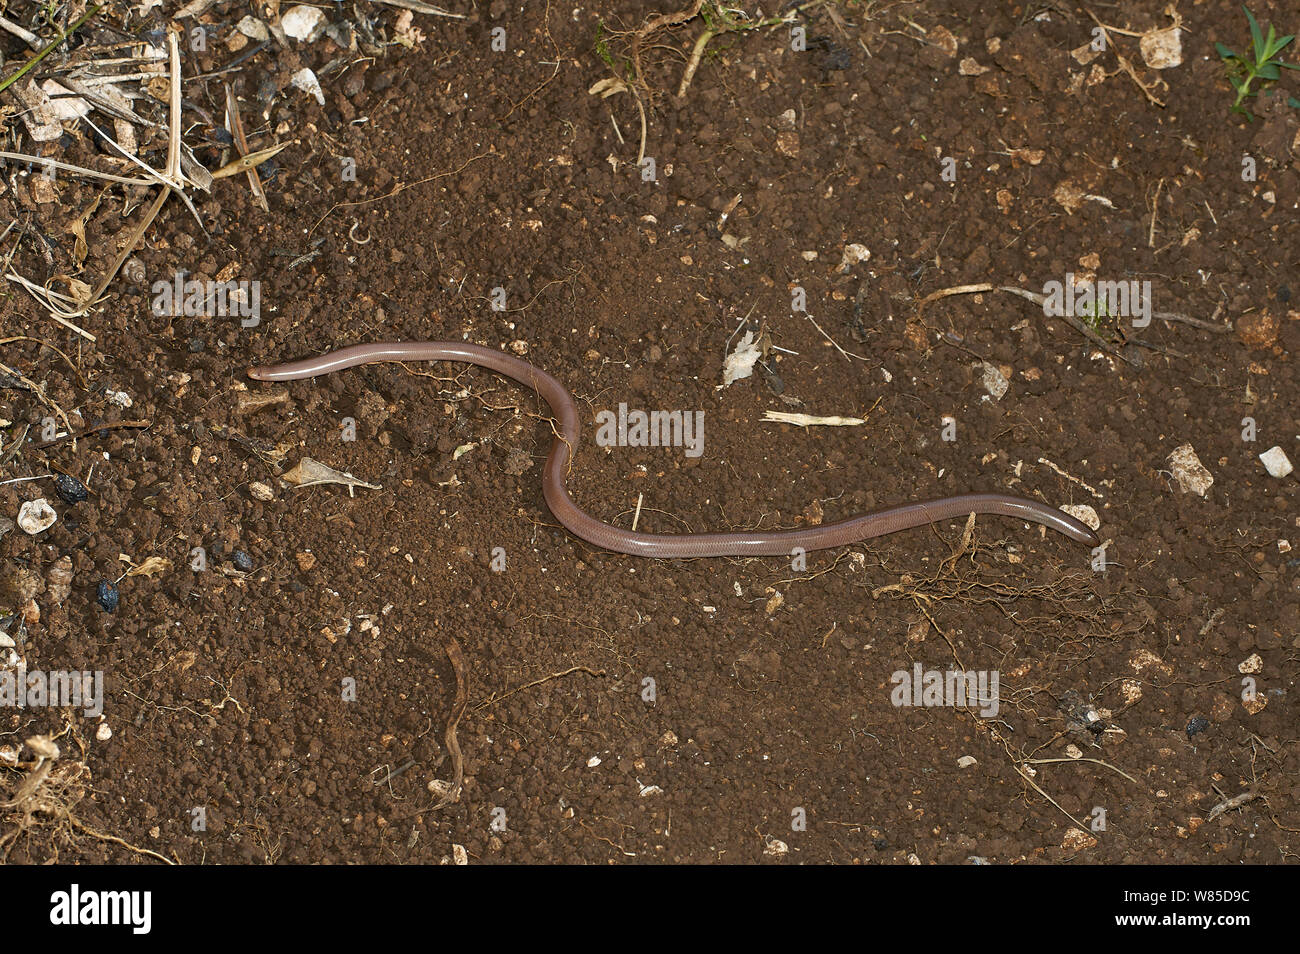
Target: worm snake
{"type": "Point", "coordinates": [597, 533]}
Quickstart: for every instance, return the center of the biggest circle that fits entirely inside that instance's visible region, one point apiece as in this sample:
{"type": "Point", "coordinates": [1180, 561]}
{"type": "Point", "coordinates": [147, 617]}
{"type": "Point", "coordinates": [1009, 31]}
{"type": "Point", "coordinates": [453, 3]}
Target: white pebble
{"type": "Point", "coordinates": [303, 23]}
{"type": "Point", "coordinates": [103, 733]}
{"type": "Point", "coordinates": [994, 381]}
{"type": "Point", "coordinates": [36, 516]}
{"type": "Point", "coordinates": [306, 81]}
{"type": "Point", "coordinates": [1276, 462]}
{"type": "Point", "coordinates": [1189, 471]}
{"type": "Point", "coordinates": [1083, 513]}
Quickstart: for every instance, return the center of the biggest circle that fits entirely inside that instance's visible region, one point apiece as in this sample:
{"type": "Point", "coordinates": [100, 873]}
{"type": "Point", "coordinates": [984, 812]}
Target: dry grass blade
{"type": "Point", "coordinates": [79, 170]}
{"type": "Point", "coordinates": [415, 6]}
{"type": "Point", "coordinates": [241, 143]}
{"type": "Point", "coordinates": [458, 709]}
{"type": "Point", "coordinates": [250, 162]}
{"type": "Point", "coordinates": [171, 178]}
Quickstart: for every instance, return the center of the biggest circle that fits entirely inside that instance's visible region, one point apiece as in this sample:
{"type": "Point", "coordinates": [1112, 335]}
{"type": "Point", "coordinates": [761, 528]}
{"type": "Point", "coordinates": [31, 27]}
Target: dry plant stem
{"type": "Point", "coordinates": [1124, 63]}
{"type": "Point", "coordinates": [113, 839]}
{"type": "Point", "coordinates": [415, 6]}
{"type": "Point", "coordinates": [39, 391]}
{"type": "Point", "coordinates": [172, 173]}
{"type": "Point", "coordinates": [702, 41]}
{"type": "Point", "coordinates": [27, 67]}
{"type": "Point", "coordinates": [1037, 299]}
{"type": "Point", "coordinates": [595, 673]}
{"type": "Point", "coordinates": [457, 710]}
{"type": "Point", "coordinates": [45, 344]}
{"type": "Point", "coordinates": [241, 143]}
{"type": "Point", "coordinates": [27, 36]}
{"type": "Point", "coordinates": [400, 188]}
{"type": "Point", "coordinates": [80, 170]}
{"type": "Point", "coordinates": [693, 64]}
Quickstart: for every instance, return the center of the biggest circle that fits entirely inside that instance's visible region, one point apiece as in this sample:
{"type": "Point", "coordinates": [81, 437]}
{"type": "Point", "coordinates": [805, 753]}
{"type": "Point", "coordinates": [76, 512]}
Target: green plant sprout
{"type": "Point", "coordinates": [1263, 64]}
{"type": "Point", "coordinates": [1096, 315]}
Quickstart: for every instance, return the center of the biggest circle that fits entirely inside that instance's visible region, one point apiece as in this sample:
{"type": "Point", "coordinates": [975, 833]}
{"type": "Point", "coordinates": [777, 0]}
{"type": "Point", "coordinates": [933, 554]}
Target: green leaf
{"type": "Point", "coordinates": [1293, 102]}
{"type": "Point", "coordinates": [1256, 35]}
{"type": "Point", "coordinates": [1224, 52]}
{"type": "Point", "coordinates": [1269, 71]}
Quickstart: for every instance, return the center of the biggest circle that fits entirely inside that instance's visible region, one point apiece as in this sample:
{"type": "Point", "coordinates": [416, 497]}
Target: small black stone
{"type": "Point", "coordinates": [1197, 725]}
{"type": "Point", "coordinates": [106, 595]}
{"type": "Point", "coordinates": [243, 562]}
{"type": "Point", "coordinates": [70, 489]}
{"type": "Point", "coordinates": [196, 345]}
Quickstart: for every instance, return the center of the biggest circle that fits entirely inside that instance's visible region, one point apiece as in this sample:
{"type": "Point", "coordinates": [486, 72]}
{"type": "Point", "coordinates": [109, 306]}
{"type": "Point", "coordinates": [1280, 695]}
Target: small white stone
{"type": "Point", "coordinates": [1188, 470]}
{"type": "Point", "coordinates": [119, 398]}
{"type": "Point", "coordinates": [303, 23]}
{"type": "Point", "coordinates": [36, 516]}
{"type": "Point", "coordinates": [103, 733]}
{"type": "Point", "coordinates": [854, 253]}
{"type": "Point", "coordinates": [1276, 462]}
{"type": "Point", "coordinates": [254, 29]}
{"type": "Point", "coordinates": [995, 383]}
{"type": "Point", "coordinates": [261, 491]}
{"type": "Point", "coordinates": [776, 848]}
{"type": "Point", "coordinates": [593, 761]}
{"type": "Point", "coordinates": [1083, 513]}
{"type": "Point", "coordinates": [459, 855]}
{"type": "Point", "coordinates": [6, 641]}
{"type": "Point", "coordinates": [1252, 664]}
{"type": "Point", "coordinates": [306, 81]}
{"type": "Point", "coordinates": [1162, 49]}
{"type": "Point", "coordinates": [966, 761]}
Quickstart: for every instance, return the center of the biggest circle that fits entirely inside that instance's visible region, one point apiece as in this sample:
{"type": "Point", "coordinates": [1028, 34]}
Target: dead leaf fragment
{"type": "Point", "coordinates": [310, 472]}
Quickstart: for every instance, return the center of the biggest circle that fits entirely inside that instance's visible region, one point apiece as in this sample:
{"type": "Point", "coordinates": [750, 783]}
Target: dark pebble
{"type": "Point", "coordinates": [243, 562]}
{"type": "Point", "coordinates": [196, 345]}
{"type": "Point", "coordinates": [70, 489]}
{"type": "Point", "coordinates": [1197, 725]}
{"type": "Point", "coordinates": [106, 595]}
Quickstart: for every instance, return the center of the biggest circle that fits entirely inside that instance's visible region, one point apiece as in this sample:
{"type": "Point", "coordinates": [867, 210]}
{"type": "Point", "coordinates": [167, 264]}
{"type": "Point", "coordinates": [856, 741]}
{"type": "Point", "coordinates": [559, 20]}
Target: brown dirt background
{"type": "Point", "coordinates": [223, 690]}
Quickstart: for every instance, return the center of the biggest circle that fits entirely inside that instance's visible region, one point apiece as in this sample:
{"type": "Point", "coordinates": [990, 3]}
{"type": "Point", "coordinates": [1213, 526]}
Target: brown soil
{"type": "Point", "coordinates": [477, 170]}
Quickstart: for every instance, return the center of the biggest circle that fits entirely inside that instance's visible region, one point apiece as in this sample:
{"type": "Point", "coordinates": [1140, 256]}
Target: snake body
{"type": "Point", "coordinates": [608, 537]}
